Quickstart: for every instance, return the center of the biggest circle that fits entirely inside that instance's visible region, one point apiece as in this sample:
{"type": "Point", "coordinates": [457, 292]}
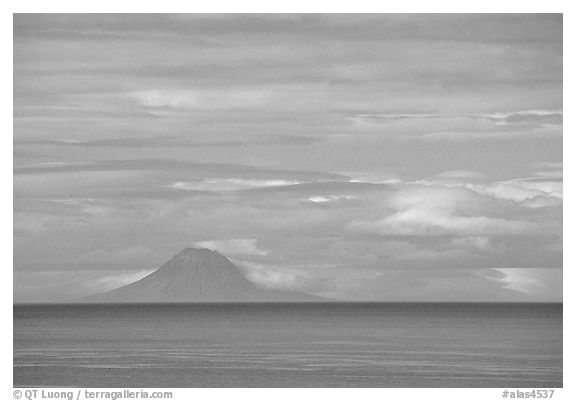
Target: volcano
{"type": "Point", "coordinates": [198, 275]}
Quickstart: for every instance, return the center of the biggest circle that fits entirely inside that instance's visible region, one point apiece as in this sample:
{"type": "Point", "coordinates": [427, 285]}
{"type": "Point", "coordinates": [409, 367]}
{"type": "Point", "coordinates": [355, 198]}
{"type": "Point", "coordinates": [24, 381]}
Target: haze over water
{"type": "Point", "coordinates": [289, 345]}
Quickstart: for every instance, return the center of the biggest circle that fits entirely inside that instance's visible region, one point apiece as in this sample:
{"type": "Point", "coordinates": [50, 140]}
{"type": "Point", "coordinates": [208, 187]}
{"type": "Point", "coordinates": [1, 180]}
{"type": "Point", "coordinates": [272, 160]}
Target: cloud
{"type": "Point", "coordinates": [272, 97]}
{"type": "Point", "coordinates": [202, 99]}
{"type": "Point", "coordinates": [445, 125]}
{"type": "Point", "coordinates": [374, 178]}
{"type": "Point", "coordinates": [537, 202]}
{"type": "Point", "coordinates": [528, 192]}
{"type": "Point", "coordinates": [555, 174]}
{"type": "Point", "coordinates": [552, 165]}
{"type": "Point", "coordinates": [386, 117]}
{"type": "Point", "coordinates": [475, 243]}
{"type": "Point", "coordinates": [474, 28]}
{"type": "Point", "coordinates": [526, 117]}
{"type": "Point", "coordinates": [416, 222]}
{"type": "Point", "coordinates": [271, 277]}
{"type": "Point", "coordinates": [539, 283]}
{"type": "Point", "coordinates": [438, 211]}
{"type": "Point", "coordinates": [533, 192]}
{"type": "Point", "coordinates": [173, 142]}
{"type": "Point", "coordinates": [427, 255]}
{"type": "Point", "coordinates": [460, 175]}
{"type": "Point", "coordinates": [216, 170]}
{"type": "Point", "coordinates": [289, 278]}
{"type": "Point", "coordinates": [460, 136]}
{"type": "Point", "coordinates": [230, 184]}
{"type": "Point", "coordinates": [519, 117]}
{"type": "Point", "coordinates": [150, 179]}
{"type": "Point", "coordinates": [234, 247]}
{"type": "Point", "coordinates": [329, 198]}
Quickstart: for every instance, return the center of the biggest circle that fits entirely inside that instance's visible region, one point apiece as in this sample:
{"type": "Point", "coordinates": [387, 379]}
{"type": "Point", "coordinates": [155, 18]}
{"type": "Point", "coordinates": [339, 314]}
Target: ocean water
{"type": "Point", "coordinates": [289, 345]}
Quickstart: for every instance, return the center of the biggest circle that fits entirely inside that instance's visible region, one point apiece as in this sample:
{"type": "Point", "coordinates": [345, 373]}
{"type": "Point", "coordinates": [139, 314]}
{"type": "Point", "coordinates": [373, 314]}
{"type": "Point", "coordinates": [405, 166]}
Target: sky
{"type": "Point", "coordinates": [367, 157]}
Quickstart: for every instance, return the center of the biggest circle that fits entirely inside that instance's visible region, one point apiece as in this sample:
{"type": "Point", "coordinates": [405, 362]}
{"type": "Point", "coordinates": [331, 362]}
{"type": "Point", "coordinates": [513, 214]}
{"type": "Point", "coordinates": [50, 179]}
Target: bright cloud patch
{"type": "Point", "coordinates": [534, 192]}
{"type": "Point", "coordinates": [535, 282]}
{"type": "Point", "coordinates": [234, 246]}
{"type": "Point", "coordinates": [276, 278]}
{"type": "Point", "coordinates": [230, 184]}
{"type": "Point", "coordinates": [329, 198]}
{"type": "Point", "coordinates": [423, 211]}
{"type": "Point", "coordinates": [201, 99]}
{"type": "Point", "coordinates": [521, 190]}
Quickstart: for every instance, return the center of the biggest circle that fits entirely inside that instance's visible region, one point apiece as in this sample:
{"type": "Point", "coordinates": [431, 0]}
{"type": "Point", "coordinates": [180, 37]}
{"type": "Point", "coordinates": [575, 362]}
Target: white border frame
{"type": "Point", "coordinates": [300, 6]}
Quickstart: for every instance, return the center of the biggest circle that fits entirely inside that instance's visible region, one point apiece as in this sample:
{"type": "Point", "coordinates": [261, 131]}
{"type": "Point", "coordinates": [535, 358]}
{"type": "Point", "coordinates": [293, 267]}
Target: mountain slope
{"type": "Point", "coordinates": [198, 275]}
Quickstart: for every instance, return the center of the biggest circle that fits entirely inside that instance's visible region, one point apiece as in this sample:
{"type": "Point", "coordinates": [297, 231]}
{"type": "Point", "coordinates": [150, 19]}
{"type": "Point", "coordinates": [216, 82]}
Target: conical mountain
{"type": "Point", "coordinates": [198, 275]}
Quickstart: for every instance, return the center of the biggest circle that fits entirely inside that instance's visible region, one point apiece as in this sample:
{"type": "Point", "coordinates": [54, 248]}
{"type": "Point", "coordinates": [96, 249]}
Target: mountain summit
{"type": "Point", "coordinates": [198, 275]}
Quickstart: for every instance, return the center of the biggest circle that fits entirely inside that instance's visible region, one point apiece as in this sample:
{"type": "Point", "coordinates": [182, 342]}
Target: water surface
{"type": "Point", "coordinates": [289, 345]}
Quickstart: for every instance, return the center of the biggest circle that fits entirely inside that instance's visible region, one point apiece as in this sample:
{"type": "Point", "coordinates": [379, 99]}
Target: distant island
{"type": "Point", "coordinates": [197, 275]}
